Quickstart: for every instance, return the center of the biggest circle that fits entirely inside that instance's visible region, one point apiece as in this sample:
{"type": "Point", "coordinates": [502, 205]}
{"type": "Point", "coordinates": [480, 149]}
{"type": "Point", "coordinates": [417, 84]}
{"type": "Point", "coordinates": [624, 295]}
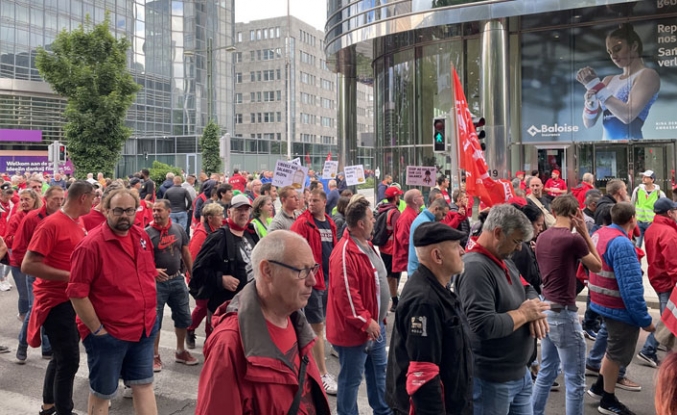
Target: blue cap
{"type": "Point", "coordinates": [663, 205]}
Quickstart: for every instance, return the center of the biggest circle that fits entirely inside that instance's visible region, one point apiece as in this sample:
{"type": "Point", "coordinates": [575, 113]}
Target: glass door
{"type": "Point", "coordinates": [611, 162]}
{"type": "Point", "coordinates": [550, 159]}
{"type": "Point", "coordinates": [191, 163]}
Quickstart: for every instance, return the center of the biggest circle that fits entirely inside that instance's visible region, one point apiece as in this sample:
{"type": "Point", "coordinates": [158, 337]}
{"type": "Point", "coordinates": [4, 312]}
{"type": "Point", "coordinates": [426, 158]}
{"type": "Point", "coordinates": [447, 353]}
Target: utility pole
{"type": "Point", "coordinates": [210, 81]}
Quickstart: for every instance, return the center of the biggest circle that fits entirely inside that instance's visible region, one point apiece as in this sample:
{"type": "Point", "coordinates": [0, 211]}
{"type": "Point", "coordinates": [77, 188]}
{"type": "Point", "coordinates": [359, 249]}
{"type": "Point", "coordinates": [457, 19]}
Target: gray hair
{"type": "Point", "coordinates": [588, 177]}
{"type": "Point", "coordinates": [509, 219]}
{"type": "Point", "coordinates": [273, 248]}
{"type": "Point", "coordinates": [592, 196]}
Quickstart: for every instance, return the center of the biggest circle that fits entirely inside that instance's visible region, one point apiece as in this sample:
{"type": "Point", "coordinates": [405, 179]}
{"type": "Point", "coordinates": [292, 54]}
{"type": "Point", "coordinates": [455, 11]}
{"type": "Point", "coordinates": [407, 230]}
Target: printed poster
{"type": "Point", "coordinates": [330, 170]}
{"type": "Point", "coordinates": [420, 176]}
{"type": "Point", "coordinates": [289, 174]}
{"type": "Point", "coordinates": [354, 175]}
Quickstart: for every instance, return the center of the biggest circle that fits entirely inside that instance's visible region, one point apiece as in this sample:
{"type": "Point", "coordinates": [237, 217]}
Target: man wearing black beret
{"type": "Point", "coordinates": [430, 360]}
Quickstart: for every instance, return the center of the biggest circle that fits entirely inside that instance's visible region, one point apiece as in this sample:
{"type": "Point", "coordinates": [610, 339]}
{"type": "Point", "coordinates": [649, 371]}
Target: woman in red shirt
{"type": "Point", "coordinates": [212, 219]}
{"type": "Point", "coordinates": [28, 200]}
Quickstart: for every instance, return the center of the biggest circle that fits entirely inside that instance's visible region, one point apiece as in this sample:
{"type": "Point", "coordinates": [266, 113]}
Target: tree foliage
{"type": "Point", "coordinates": [158, 173]}
{"type": "Point", "coordinates": [88, 66]}
{"type": "Point", "coordinates": [209, 145]}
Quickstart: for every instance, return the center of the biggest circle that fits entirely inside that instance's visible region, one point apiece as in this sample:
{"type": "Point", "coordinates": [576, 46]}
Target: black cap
{"type": "Point", "coordinates": [663, 204]}
{"type": "Point", "coordinates": [5, 187]}
{"type": "Point", "coordinates": [429, 233]}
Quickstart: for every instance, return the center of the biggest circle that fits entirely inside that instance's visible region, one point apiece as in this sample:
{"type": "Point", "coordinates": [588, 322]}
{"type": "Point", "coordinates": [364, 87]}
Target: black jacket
{"type": "Point", "coordinates": [430, 326]}
{"type": "Point", "coordinates": [525, 261]}
{"type": "Point", "coordinates": [606, 200]}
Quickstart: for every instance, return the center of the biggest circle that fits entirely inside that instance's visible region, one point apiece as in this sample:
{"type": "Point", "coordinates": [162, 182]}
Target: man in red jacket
{"type": "Point", "coordinates": [316, 227]}
{"type": "Point", "coordinates": [579, 192]}
{"type": "Point", "coordinates": [356, 310]}
{"type": "Point", "coordinates": [238, 181]}
{"type": "Point", "coordinates": [414, 200]}
{"type": "Point", "coordinates": [260, 347]}
{"type": "Point", "coordinates": [661, 238]}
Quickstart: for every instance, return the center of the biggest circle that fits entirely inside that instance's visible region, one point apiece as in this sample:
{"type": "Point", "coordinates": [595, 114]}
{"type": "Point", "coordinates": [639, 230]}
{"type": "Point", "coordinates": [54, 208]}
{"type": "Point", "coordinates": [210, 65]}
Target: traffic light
{"type": "Point", "coordinates": [478, 122]}
{"type": "Point", "coordinates": [62, 153]}
{"type": "Point", "coordinates": [439, 137]}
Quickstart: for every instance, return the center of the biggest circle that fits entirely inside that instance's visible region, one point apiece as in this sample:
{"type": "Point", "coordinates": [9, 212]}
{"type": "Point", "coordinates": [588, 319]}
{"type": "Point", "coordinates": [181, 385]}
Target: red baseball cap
{"type": "Point", "coordinates": [393, 191]}
{"type": "Point", "coordinates": [556, 172]}
{"type": "Point", "coordinates": [519, 172]}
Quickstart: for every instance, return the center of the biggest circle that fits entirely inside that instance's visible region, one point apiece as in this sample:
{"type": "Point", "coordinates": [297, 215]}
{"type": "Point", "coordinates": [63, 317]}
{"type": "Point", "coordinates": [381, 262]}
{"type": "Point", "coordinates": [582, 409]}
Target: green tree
{"type": "Point", "coordinates": [209, 146]}
{"type": "Point", "coordinates": [158, 173]}
{"type": "Point", "coordinates": [88, 66]}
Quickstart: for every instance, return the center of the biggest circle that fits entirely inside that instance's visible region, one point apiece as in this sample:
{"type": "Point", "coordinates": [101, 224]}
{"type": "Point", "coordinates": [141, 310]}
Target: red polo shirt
{"type": "Point", "coordinates": [93, 219]}
{"type": "Point", "coordinates": [555, 184]}
{"type": "Point", "coordinates": [119, 283]}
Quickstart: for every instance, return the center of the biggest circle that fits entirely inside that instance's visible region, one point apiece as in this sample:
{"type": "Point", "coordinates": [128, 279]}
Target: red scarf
{"type": "Point", "coordinates": [164, 230]}
{"type": "Point", "coordinates": [234, 226]}
{"type": "Point", "coordinates": [482, 250]}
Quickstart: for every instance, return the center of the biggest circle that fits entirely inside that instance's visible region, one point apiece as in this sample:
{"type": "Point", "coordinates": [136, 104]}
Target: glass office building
{"type": "Point", "coordinates": [517, 61]}
{"type": "Point", "coordinates": [168, 58]}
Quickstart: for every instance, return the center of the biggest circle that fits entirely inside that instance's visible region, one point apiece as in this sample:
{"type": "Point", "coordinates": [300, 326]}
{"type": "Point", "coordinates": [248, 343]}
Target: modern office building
{"type": "Point", "coordinates": [168, 58]}
{"type": "Point", "coordinates": [285, 97]}
{"type": "Point", "coordinates": [518, 62]}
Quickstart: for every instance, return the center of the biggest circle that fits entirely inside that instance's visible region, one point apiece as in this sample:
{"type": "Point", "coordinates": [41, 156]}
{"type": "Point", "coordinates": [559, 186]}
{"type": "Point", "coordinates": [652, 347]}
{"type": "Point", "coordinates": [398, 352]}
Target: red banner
{"type": "Point", "coordinates": [471, 157]}
{"type": "Point", "coordinates": [329, 156]}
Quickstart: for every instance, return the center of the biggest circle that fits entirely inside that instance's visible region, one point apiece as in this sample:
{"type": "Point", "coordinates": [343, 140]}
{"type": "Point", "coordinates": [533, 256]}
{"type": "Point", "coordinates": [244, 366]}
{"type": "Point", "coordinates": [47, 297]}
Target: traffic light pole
{"type": "Point", "coordinates": [55, 157]}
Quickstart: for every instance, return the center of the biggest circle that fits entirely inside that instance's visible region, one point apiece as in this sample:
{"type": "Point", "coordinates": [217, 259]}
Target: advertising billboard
{"type": "Point", "coordinates": [610, 82]}
{"type": "Point", "coordinates": [29, 162]}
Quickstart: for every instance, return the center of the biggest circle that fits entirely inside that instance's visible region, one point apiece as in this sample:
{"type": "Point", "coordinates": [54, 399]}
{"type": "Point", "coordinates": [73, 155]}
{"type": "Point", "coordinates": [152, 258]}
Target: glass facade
{"type": "Point", "coordinates": [168, 58]}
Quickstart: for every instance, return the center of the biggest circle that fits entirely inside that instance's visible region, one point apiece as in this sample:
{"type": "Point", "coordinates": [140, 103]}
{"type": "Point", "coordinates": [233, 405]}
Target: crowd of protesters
{"type": "Point", "coordinates": [276, 271]}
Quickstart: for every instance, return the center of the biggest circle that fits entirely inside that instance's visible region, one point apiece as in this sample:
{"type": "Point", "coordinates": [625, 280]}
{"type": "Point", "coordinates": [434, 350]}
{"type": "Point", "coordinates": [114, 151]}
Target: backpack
{"type": "Point", "coordinates": [381, 232]}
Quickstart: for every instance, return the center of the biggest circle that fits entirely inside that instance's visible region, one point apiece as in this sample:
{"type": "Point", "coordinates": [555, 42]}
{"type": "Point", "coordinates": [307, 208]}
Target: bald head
{"type": "Point", "coordinates": [413, 198]}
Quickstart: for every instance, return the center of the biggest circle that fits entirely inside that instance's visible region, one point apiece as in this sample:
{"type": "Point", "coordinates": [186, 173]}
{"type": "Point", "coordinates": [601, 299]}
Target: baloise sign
{"type": "Point", "coordinates": [604, 82]}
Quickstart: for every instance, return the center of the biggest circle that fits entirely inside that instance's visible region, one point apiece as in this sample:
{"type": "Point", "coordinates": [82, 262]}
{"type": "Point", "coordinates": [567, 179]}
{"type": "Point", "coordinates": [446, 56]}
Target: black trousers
{"type": "Point", "coordinates": [63, 335]}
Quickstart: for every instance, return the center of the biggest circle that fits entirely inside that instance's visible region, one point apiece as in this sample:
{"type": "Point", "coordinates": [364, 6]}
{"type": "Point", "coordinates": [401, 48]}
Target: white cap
{"type": "Point", "coordinates": [649, 173]}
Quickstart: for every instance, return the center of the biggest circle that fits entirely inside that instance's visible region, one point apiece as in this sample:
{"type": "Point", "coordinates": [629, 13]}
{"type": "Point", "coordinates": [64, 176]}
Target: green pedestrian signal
{"type": "Point", "coordinates": [439, 137]}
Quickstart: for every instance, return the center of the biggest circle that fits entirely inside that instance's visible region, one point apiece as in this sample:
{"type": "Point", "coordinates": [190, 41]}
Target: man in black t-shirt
{"type": "Point", "coordinates": [319, 230]}
{"type": "Point", "coordinates": [170, 245]}
{"type": "Point", "coordinates": [148, 186]}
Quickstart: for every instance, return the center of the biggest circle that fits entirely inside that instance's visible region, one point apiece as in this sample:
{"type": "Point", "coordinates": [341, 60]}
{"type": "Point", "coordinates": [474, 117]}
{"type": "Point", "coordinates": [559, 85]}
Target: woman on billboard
{"type": "Point", "coordinates": [622, 100]}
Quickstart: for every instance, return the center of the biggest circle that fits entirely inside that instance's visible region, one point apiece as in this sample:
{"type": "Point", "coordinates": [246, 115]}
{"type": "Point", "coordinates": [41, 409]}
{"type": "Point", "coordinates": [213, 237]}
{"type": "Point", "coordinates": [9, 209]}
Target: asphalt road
{"type": "Point", "coordinates": [176, 385]}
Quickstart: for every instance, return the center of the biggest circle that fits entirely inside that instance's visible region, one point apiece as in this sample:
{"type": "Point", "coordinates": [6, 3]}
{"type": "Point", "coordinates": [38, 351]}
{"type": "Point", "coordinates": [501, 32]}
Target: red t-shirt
{"type": "Point", "coordinates": [557, 252]}
{"type": "Point", "coordinates": [285, 340]}
{"type": "Point", "coordinates": [55, 239]}
{"type": "Point", "coordinates": [117, 274]}
{"type": "Point", "coordinates": [238, 181]}
{"type": "Point", "coordinates": [555, 184]}
{"type": "Point", "coordinates": [23, 235]}
{"type": "Point", "coordinates": [93, 219]}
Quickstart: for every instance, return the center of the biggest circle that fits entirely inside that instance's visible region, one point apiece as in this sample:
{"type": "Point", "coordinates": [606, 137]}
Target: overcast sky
{"type": "Point", "coordinates": [313, 12]}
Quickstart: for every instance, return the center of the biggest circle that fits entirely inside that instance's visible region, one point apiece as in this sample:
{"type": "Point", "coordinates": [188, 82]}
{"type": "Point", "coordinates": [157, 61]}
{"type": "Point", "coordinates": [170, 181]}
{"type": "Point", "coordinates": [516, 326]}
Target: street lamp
{"type": "Point", "coordinates": [210, 80]}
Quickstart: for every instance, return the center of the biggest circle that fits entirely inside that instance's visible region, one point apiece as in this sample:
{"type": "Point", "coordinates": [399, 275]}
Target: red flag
{"type": "Point", "coordinates": [329, 156]}
{"type": "Point", "coordinates": [308, 158]}
{"type": "Point", "coordinates": [471, 156]}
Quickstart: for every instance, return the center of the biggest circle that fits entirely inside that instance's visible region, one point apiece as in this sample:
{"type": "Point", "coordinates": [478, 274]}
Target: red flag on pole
{"type": "Point", "coordinates": [471, 157]}
{"type": "Point", "coordinates": [329, 156]}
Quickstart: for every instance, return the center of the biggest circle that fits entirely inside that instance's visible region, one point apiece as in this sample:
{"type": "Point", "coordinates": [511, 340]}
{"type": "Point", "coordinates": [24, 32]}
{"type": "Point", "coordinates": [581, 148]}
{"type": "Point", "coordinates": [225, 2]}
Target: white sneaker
{"type": "Point", "coordinates": [330, 386]}
{"type": "Point", "coordinates": [5, 285]}
{"type": "Point", "coordinates": [127, 392]}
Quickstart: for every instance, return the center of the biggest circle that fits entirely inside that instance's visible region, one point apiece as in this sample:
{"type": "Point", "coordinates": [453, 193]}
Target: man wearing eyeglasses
{"type": "Point", "coordinates": [258, 359]}
{"type": "Point", "coordinates": [315, 226]}
{"type": "Point", "coordinates": [112, 288]}
{"type": "Point", "coordinates": [357, 306]}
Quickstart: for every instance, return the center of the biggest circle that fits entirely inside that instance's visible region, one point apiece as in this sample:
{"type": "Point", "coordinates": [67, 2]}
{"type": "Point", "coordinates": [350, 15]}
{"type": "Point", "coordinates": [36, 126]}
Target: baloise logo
{"type": "Point", "coordinates": [552, 130]}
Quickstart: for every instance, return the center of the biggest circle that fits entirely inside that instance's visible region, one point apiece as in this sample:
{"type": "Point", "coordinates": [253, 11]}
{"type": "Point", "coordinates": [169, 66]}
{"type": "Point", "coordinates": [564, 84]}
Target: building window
{"type": "Point", "coordinates": [239, 37]}
{"type": "Point", "coordinates": [277, 32]}
{"type": "Point", "coordinates": [252, 76]}
{"type": "Point", "coordinates": [278, 74]}
{"type": "Point", "coordinates": [238, 57]}
{"type": "Point", "coordinates": [252, 118]}
{"type": "Point", "coordinates": [252, 35]}
{"type": "Point", "coordinates": [258, 97]}
{"type": "Point", "coordinates": [279, 95]}
{"type": "Point", "coordinates": [258, 34]}
{"type": "Point", "coordinates": [252, 55]}
{"type": "Point", "coordinates": [252, 96]}
{"type": "Point", "coordinates": [259, 117]}
{"type": "Point", "coordinates": [238, 98]}
{"type": "Point", "coordinates": [279, 116]}
{"type": "Point", "coordinates": [238, 118]}
{"type": "Point", "coordinates": [238, 78]}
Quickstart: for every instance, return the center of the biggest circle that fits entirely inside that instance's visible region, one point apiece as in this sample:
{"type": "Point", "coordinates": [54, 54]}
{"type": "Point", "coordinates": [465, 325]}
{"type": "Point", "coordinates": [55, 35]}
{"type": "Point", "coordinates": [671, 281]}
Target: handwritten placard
{"type": "Point", "coordinates": [330, 169]}
{"type": "Point", "coordinates": [289, 174]}
{"type": "Point", "coordinates": [354, 175]}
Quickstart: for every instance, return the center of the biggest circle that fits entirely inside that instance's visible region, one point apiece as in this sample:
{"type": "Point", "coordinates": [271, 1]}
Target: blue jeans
{"type": "Point", "coordinates": [20, 282]}
{"type": "Point", "coordinates": [354, 364]}
{"type": "Point", "coordinates": [643, 226]}
{"type": "Point", "coordinates": [651, 346]}
{"type": "Point", "coordinates": [23, 333]}
{"type": "Point", "coordinates": [180, 218]}
{"type": "Point", "coordinates": [564, 345]}
{"type": "Point", "coordinates": [594, 360]}
{"type": "Point", "coordinates": [494, 398]}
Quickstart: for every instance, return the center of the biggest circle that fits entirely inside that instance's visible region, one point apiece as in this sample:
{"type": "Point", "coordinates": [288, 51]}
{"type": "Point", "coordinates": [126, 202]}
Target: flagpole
{"type": "Point", "coordinates": [453, 127]}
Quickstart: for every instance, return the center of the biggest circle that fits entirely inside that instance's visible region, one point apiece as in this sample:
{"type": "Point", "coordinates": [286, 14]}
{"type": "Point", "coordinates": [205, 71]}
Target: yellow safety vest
{"type": "Point", "coordinates": [644, 204]}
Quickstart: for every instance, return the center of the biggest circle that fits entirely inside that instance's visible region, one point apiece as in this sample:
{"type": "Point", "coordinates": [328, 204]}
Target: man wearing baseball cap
{"type": "Point", "coordinates": [661, 238]}
{"type": "Point", "coordinates": [430, 364]}
{"type": "Point", "coordinates": [643, 197]}
{"type": "Point", "coordinates": [555, 186]}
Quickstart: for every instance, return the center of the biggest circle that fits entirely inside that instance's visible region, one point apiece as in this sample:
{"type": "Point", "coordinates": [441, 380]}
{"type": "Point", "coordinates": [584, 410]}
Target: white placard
{"type": "Point", "coordinates": [354, 175]}
{"type": "Point", "coordinates": [288, 174]}
{"type": "Point", "coordinates": [420, 176]}
{"type": "Point", "coordinates": [330, 169]}
{"type": "Point", "coordinates": [296, 161]}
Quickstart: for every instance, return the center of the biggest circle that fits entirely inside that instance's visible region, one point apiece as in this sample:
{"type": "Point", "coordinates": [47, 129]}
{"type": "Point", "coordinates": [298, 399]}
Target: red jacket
{"type": "Point", "coordinates": [244, 372]}
{"type": "Point", "coordinates": [401, 232]}
{"type": "Point", "coordinates": [453, 219]}
{"type": "Point", "coordinates": [351, 301]}
{"type": "Point", "coordinates": [23, 234]}
{"type": "Point", "coordinates": [661, 240]}
{"type": "Point", "coordinates": [304, 225]}
{"type": "Point", "coordinates": [580, 191]}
